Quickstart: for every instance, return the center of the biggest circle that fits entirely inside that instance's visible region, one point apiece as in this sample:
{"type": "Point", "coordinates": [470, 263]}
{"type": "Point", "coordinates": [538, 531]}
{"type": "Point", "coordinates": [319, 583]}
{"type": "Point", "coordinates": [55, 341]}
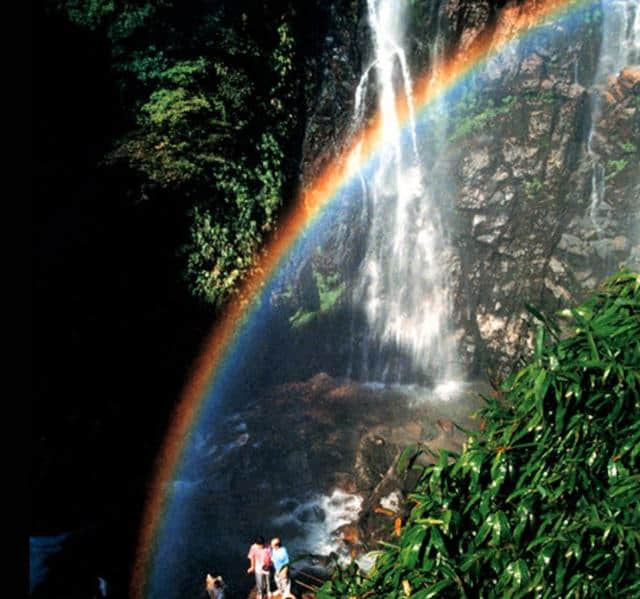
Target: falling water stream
{"type": "Point", "coordinates": [402, 284]}
{"type": "Point", "coordinates": [620, 47]}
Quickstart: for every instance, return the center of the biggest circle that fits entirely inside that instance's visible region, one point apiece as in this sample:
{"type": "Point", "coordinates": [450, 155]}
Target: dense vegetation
{"type": "Point", "coordinates": [545, 501]}
{"type": "Point", "coordinates": [166, 136]}
{"type": "Point", "coordinates": [213, 99]}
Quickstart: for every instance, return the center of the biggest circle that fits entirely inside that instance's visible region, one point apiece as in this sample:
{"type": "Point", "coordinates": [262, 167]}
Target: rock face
{"type": "Point", "coordinates": [515, 175]}
{"type": "Point", "coordinates": [525, 231]}
{"type": "Point", "coordinates": [339, 66]}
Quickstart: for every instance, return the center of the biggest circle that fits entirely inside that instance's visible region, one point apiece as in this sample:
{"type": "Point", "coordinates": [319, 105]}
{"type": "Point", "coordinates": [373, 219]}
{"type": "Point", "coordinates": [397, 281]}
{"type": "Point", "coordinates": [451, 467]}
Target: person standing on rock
{"type": "Point", "coordinates": [280, 558]}
{"type": "Point", "coordinates": [260, 559]}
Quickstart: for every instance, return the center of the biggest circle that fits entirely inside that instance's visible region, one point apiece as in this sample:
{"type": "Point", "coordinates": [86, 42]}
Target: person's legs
{"type": "Point", "coordinates": [260, 584]}
{"type": "Point", "coordinates": [286, 585]}
{"type": "Point", "coordinates": [283, 582]}
{"type": "Point", "coordinates": [277, 578]}
{"type": "Point", "coordinates": [267, 577]}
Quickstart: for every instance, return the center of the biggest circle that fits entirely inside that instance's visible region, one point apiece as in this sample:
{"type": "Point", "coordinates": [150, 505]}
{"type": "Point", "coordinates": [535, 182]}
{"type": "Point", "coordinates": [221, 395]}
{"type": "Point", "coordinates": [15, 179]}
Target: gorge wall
{"type": "Point", "coordinates": [535, 170]}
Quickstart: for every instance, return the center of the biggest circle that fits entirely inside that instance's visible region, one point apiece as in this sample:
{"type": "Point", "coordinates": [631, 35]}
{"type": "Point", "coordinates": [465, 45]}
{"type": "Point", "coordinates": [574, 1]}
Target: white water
{"type": "Point", "coordinates": [620, 47]}
{"type": "Point", "coordinates": [319, 519]}
{"type": "Point", "coordinates": [402, 284]}
{"type": "Point", "coordinates": [312, 523]}
{"type": "Point", "coordinates": [41, 550]}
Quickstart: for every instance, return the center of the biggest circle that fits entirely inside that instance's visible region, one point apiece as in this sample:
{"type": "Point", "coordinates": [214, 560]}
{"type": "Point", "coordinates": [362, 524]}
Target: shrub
{"type": "Point", "coordinates": [544, 502]}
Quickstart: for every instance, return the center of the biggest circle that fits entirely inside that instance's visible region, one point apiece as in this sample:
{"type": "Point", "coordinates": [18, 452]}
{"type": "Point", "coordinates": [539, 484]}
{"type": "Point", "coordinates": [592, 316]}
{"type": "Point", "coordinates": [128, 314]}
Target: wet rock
{"type": "Point", "coordinates": [531, 70]}
{"type": "Point", "coordinates": [603, 247]}
{"type": "Point", "coordinates": [630, 79]}
{"type": "Point", "coordinates": [242, 440]}
{"type": "Point", "coordinates": [313, 514]}
{"type": "Point", "coordinates": [490, 324]}
{"type": "Point", "coordinates": [412, 431]}
{"type": "Point", "coordinates": [322, 382]}
{"type": "Point", "coordinates": [633, 261]}
{"type": "Point", "coordinates": [387, 501]}
{"type": "Point", "coordinates": [391, 502]}
{"type": "Point", "coordinates": [556, 266]}
{"type": "Point", "coordinates": [573, 245]}
{"type": "Point", "coordinates": [488, 238]}
{"type": "Point", "coordinates": [346, 481]}
{"type": "Point", "coordinates": [374, 456]}
{"type": "Point", "coordinates": [349, 534]}
{"type": "Point", "coordinates": [477, 161]}
{"type": "Point", "coordinates": [558, 290]}
{"type": "Point", "coordinates": [517, 185]}
{"type": "Point", "coordinates": [620, 244]}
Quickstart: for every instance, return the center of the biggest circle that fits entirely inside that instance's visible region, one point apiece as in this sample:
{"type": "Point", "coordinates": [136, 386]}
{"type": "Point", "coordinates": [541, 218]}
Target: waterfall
{"type": "Point", "coordinates": [401, 285]}
{"type": "Point", "coordinates": [620, 47]}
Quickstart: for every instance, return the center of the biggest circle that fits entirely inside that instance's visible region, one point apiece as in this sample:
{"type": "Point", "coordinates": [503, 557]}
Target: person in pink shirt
{"type": "Point", "coordinates": [260, 559]}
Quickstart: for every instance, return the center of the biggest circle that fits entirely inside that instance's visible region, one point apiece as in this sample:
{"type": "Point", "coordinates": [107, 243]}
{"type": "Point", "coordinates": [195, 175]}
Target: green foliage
{"type": "Point", "coordinates": [548, 96]}
{"type": "Point", "coordinates": [628, 147]}
{"type": "Point", "coordinates": [614, 167]}
{"type": "Point", "coordinates": [593, 16]}
{"type": "Point", "coordinates": [226, 236]}
{"type": "Point", "coordinates": [246, 178]}
{"type": "Point", "coordinates": [210, 95]}
{"type": "Point", "coordinates": [545, 501]}
{"type": "Point", "coordinates": [330, 289]}
{"type": "Point", "coordinates": [471, 116]}
{"type": "Point", "coordinates": [91, 13]}
{"type": "Point", "coordinates": [532, 188]}
{"type": "Point", "coordinates": [185, 129]}
{"type": "Point", "coordinates": [119, 19]}
{"type": "Point", "coordinates": [301, 318]}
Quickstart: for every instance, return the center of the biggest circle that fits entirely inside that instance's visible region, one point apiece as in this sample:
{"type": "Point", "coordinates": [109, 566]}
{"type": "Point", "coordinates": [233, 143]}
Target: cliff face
{"type": "Point", "coordinates": [526, 234]}
{"type": "Point", "coordinates": [535, 169]}
{"type": "Point", "coordinates": [526, 228]}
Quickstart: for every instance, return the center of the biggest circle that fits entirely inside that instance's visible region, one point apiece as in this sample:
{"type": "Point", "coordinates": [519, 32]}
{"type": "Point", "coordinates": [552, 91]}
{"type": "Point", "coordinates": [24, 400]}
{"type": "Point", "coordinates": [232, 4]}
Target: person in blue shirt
{"type": "Point", "coordinates": [280, 559]}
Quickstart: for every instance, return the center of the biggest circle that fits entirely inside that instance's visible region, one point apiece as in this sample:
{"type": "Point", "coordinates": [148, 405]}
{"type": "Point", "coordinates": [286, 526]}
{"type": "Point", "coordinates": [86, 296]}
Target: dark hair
{"type": "Point", "coordinates": [260, 540]}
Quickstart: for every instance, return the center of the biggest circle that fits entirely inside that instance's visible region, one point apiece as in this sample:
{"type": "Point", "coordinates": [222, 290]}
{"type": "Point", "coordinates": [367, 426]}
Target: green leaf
{"type": "Point", "coordinates": [436, 589]}
{"type": "Point", "coordinates": [406, 456]}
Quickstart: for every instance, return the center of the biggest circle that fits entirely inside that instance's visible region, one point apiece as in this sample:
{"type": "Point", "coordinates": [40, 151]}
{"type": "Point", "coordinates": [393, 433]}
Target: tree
{"type": "Point", "coordinates": [212, 101]}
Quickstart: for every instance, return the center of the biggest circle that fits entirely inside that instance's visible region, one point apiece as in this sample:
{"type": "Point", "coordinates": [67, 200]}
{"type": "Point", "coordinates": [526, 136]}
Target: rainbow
{"type": "Point", "coordinates": [514, 22]}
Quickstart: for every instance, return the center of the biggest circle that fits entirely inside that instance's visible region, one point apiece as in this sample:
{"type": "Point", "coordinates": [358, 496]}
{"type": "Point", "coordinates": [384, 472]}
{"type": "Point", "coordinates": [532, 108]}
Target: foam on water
{"type": "Point", "coordinates": [449, 390]}
{"type": "Point", "coordinates": [317, 521]}
{"type": "Point", "coordinates": [445, 391]}
{"type": "Point", "coordinates": [391, 501]}
{"type": "Point", "coordinates": [41, 550]}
